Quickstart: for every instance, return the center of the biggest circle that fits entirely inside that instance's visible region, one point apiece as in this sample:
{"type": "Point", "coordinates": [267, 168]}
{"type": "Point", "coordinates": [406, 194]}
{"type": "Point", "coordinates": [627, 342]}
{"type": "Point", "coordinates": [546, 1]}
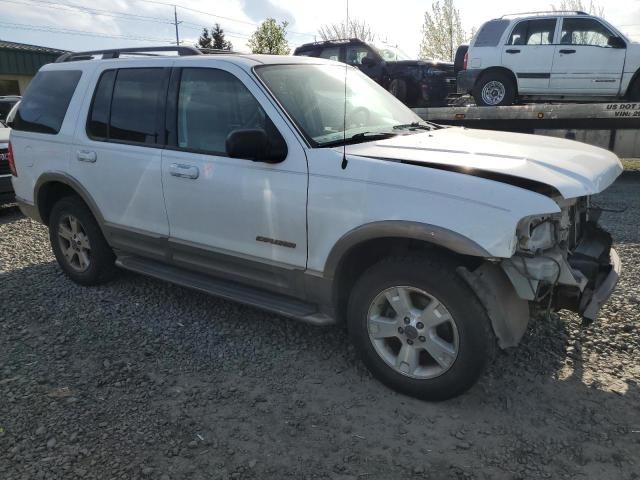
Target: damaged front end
{"type": "Point", "coordinates": [561, 261]}
{"type": "Point", "coordinates": [565, 260]}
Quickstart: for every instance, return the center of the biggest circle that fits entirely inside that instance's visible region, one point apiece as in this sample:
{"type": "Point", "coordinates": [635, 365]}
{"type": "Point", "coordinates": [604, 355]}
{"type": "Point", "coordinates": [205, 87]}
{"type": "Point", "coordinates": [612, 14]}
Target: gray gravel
{"type": "Point", "coordinates": [141, 379]}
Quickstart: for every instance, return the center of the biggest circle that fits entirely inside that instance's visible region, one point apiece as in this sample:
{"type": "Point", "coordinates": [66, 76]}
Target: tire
{"type": "Point", "coordinates": [398, 88]}
{"type": "Point", "coordinates": [91, 261]}
{"type": "Point", "coordinates": [468, 332]}
{"type": "Point", "coordinates": [494, 89]}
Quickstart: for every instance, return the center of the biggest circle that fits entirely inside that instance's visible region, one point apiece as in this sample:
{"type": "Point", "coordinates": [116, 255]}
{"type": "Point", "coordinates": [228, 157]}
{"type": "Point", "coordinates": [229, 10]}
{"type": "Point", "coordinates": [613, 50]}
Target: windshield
{"type": "Point", "coordinates": [391, 54]}
{"type": "Point", "coordinates": [314, 97]}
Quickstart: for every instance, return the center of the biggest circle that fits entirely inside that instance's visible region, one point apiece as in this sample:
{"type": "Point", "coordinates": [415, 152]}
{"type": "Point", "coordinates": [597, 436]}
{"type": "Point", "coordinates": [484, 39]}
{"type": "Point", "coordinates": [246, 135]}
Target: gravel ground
{"type": "Point", "coordinates": [141, 379]}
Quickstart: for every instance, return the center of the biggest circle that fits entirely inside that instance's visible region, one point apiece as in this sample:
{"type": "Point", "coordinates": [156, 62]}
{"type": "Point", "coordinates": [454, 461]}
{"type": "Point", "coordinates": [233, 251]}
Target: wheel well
{"type": "Point", "coordinates": [363, 255]}
{"type": "Point", "coordinates": [501, 70]}
{"type": "Point", "coordinates": [632, 83]}
{"type": "Point", "coordinates": [49, 194]}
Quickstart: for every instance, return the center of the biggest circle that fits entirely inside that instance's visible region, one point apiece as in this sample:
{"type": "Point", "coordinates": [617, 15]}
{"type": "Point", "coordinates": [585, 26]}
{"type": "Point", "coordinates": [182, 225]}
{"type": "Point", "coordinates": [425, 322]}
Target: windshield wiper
{"type": "Point", "coordinates": [416, 126]}
{"type": "Point", "coordinates": [360, 137]}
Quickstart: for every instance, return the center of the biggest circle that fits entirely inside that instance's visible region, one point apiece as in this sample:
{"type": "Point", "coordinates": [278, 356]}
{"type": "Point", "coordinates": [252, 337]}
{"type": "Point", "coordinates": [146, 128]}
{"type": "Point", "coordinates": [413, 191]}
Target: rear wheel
{"type": "Point", "coordinates": [494, 89]}
{"type": "Point", "coordinates": [419, 328]}
{"type": "Point", "coordinates": [78, 243]}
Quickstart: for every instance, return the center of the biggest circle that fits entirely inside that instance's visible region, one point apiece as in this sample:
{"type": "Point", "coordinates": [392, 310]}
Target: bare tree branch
{"type": "Point", "coordinates": [355, 29]}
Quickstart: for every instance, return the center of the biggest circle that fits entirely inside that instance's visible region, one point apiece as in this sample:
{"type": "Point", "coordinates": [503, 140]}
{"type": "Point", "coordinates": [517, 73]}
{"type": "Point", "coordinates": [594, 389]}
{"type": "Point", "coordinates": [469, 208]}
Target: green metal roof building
{"type": "Point", "coordinates": [19, 62]}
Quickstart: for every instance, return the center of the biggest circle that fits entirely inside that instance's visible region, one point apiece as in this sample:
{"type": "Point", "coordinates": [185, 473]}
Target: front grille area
{"type": "Point", "coordinates": [4, 161]}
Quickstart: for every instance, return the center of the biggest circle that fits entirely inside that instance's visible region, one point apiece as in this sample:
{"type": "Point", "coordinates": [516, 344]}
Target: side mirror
{"type": "Point", "coordinates": [253, 144]}
{"type": "Point", "coordinates": [616, 42]}
{"type": "Point", "coordinates": [369, 61]}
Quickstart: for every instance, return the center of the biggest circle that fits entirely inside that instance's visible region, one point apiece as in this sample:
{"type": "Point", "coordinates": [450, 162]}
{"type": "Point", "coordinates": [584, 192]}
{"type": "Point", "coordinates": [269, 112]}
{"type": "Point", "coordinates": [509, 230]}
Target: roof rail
{"type": "Point", "coordinates": [116, 52]}
{"type": "Point", "coordinates": [546, 12]}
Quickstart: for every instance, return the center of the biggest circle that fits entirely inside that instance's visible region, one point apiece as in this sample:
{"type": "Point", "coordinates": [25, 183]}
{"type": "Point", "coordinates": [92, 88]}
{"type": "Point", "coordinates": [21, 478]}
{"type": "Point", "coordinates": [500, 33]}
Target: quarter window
{"type": "Point", "coordinates": [533, 32]}
{"type": "Point", "coordinates": [46, 101]}
{"type": "Point", "coordinates": [211, 104]}
{"type": "Point", "coordinates": [584, 31]}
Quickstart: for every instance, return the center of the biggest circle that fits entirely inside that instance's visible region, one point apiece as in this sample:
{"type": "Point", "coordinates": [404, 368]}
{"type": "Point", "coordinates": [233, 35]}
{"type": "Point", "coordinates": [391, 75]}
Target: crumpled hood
{"type": "Point", "coordinates": [574, 169]}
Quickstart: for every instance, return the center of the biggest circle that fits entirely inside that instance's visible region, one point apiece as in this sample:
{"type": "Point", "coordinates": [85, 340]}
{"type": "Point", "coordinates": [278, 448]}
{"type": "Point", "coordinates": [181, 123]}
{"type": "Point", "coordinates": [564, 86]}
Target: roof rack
{"type": "Point", "coordinates": [546, 12]}
{"type": "Point", "coordinates": [142, 51]}
{"type": "Point", "coordinates": [329, 42]}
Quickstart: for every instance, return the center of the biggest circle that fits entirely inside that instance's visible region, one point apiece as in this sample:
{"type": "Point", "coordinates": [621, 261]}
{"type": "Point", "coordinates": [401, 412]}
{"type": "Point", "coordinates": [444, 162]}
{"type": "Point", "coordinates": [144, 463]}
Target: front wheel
{"type": "Point", "coordinates": [419, 328]}
{"type": "Point", "coordinates": [494, 89]}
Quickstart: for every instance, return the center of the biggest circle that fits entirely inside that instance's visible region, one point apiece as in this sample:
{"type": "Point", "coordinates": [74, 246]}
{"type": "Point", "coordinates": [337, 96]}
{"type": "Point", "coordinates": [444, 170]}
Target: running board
{"type": "Point", "coordinates": [272, 302]}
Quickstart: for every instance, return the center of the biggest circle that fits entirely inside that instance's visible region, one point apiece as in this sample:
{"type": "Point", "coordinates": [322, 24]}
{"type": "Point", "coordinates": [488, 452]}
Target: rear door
{"type": "Point", "coordinates": [529, 54]}
{"type": "Point", "coordinates": [584, 63]}
{"type": "Point", "coordinates": [118, 159]}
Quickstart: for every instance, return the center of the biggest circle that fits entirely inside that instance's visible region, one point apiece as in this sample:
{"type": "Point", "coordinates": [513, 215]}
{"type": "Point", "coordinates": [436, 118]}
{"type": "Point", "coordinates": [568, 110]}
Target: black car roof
{"type": "Point", "coordinates": [326, 43]}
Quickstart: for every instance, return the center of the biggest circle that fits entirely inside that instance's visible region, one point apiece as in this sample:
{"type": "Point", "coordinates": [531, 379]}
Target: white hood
{"type": "Point", "coordinates": [574, 169]}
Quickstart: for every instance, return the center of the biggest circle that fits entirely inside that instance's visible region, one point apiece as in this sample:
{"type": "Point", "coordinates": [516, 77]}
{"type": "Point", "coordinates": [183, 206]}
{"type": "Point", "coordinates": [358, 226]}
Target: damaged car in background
{"type": "Point", "coordinates": [319, 201]}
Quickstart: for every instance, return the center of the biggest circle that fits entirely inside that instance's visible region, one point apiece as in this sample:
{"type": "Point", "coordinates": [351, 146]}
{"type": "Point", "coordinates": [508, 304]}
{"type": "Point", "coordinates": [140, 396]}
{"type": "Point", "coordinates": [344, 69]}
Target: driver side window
{"type": "Point", "coordinates": [584, 31]}
{"type": "Point", "coordinates": [211, 104]}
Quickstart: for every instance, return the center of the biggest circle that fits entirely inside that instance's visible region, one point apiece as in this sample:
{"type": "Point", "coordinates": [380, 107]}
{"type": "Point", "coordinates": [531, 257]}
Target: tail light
{"type": "Point", "coordinates": [466, 59]}
{"type": "Point", "coordinates": [12, 163]}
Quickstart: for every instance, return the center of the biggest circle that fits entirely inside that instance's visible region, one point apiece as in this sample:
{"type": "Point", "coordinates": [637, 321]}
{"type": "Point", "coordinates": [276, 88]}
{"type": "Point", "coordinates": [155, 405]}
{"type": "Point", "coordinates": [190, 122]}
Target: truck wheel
{"type": "Point", "coordinates": [78, 243]}
{"type": "Point", "coordinates": [419, 328]}
{"type": "Point", "coordinates": [494, 89]}
{"type": "Point", "coordinates": [398, 89]}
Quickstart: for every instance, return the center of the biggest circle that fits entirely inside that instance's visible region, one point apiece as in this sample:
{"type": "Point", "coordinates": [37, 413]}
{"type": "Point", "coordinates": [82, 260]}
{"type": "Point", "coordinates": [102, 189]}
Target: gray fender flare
{"type": "Point", "coordinates": [400, 229]}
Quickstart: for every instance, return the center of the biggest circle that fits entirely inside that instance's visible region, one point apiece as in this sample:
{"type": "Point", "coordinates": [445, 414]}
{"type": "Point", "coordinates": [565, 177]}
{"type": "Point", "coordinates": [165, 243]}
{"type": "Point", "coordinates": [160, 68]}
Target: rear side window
{"type": "Point", "coordinates": [331, 53]}
{"type": "Point", "coordinates": [533, 32]}
{"type": "Point", "coordinates": [46, 101]}
{"type": "Point", "coordinates": [127, 105]}
{"type": "Point", "coordinates": [490, 33]}
{"type": "Point", "coordinates": [98, 125]}
{"type": "Point", "coordinates": [136, 96]}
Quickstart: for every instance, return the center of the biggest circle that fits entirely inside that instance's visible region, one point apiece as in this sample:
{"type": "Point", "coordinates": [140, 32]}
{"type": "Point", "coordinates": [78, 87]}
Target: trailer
{"type": "Point", "coordinates": [614, 126]}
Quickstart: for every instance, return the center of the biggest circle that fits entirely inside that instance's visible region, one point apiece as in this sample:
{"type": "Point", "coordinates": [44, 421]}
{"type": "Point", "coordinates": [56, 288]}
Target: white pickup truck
{"type": "Point", "coordinates": [550, 56]}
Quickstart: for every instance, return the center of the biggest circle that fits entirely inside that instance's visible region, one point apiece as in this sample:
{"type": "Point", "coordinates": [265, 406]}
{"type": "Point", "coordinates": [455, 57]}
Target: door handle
{"type": "Point", "coordinates": [87, 156]}
{"type": "Point", "coordinates": [567, 51]}
{"type": "Point", "coordinates": [184, 171]}
{"type": "Point", "coordinates": [513, 50]}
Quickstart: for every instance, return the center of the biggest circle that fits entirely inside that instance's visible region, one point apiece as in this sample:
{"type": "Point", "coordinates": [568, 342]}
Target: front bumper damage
{"type": "Point", "coordinates": [580, 280]}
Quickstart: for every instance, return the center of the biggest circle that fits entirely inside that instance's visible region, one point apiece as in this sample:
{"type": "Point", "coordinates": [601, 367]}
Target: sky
{"type": "Point", "coordinates": [83, 25]}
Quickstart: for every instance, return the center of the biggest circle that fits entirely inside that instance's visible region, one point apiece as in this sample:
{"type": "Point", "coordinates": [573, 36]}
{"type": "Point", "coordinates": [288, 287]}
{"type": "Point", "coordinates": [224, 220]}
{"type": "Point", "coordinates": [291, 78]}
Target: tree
{"type": "Point", "coordinates": [593, 7]}
{"type": "Point", "coordinates": [354, 29]}
{"type": "Point", "coordinates": [214, 40]}
{"type": "Point", "coordinates": [205, 39]}
{"type": "Point", "coordinates": [442, 31]}
{"type": "Point", "coordinates": [219, 42]}
{"type": "Point", "coordinates": [270, 38]}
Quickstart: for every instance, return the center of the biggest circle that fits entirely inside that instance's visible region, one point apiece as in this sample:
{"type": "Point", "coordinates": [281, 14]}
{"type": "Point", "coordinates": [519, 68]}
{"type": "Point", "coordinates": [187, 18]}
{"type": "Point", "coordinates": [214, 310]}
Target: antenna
{"type": "Point", "coordinates": [345, 162]}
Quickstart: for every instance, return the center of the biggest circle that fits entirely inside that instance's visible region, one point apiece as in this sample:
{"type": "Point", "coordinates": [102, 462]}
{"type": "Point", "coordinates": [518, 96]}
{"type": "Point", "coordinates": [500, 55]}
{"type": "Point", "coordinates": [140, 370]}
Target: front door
{"type": "Point", "coordinates": [529, 54]}
{"type": "Point", "coordinates": [584, 63]}
{"type": "Point", "coordinates": [238, 218]}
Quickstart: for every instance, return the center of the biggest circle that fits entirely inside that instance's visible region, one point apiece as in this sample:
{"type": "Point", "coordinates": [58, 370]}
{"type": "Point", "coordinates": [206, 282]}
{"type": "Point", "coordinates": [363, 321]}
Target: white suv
{"type": "Point", "coordinates": [234, 175]}
{"type": "Point", "coordinates": [550, 56]}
